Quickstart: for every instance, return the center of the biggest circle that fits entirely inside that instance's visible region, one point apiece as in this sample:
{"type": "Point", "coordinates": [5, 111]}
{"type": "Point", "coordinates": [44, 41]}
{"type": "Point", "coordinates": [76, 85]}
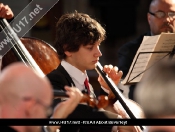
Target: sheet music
{"type": "Point", "coordinates": [163, 42]}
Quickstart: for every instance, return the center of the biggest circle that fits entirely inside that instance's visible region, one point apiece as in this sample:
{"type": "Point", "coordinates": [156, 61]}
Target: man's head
{"type": "Point", "coordinates": [76, 29]}
{"type": "Point", "coordinates": [76, 33]}
{"type": "Point", "coordinates": [155, 93]}
{"type": "Point", "coordinates": [24, 93]}
{"type": "Point", "coordinates": [161, 16]}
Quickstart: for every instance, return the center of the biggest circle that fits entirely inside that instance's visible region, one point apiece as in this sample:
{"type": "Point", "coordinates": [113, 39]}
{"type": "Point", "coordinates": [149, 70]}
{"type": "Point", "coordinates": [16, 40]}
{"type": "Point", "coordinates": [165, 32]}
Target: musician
{"type": "Point", "coordinates": [155, 93]}
{"type": "Point", "coordinates": [161, 19]}
{"type": "Point", "coordinates": [25, 94]}
{"type": "Point", "coordinates": [78, 39]}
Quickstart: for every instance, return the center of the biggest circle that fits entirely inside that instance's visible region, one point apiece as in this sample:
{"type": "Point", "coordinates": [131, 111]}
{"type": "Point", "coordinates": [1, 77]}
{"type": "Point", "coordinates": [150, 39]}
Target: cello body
{"type": "Point", "coordinates": [43, 53]}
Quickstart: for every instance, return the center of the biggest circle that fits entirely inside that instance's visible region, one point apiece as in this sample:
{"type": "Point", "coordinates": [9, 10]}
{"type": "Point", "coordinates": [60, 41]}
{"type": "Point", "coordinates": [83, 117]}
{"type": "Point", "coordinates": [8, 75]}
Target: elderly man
{"type": "Point", "coordinates": [25, 94]}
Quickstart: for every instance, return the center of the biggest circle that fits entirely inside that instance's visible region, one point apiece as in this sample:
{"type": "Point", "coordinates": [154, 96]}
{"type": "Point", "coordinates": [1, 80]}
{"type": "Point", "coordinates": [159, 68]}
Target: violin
{"type": "Point", "coordinates": [102, 101]}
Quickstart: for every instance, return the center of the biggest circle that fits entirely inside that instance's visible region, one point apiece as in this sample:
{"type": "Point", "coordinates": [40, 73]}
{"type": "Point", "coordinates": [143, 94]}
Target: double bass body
{"type": "Point", "coordinates": [43, 53]}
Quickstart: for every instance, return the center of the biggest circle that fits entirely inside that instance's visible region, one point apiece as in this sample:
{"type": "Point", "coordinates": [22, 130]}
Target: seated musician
{"type": "Point", "coordinates": [25, 94]}
{"type": "Point", "coordinates": [78, 39]}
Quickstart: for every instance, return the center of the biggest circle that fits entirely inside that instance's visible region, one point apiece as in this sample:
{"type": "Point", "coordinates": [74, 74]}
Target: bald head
{"type": "Point", "coordinates": [154, 3]}
{"type": "Point", "coordinates": [24, 94]}
{"type": "Point", "coordinates": [18, 81]}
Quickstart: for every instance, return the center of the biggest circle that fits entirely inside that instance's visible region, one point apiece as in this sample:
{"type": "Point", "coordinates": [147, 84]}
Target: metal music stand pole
{"type": "Point", "coordinates": [172, 53]}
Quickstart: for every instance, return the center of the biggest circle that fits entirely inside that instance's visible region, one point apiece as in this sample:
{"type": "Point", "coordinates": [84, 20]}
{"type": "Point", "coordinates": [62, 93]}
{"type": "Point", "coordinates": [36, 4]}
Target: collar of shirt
{"type": "Point", "coordinates": [77, 76]}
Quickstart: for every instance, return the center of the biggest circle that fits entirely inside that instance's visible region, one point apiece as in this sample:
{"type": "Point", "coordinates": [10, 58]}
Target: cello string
{"type": "Point", "coordinates": [14, 41]}
{"type": "Point", "coordinates": [2, 25]}
{"type": "Point", "coordinates": [23, 50]}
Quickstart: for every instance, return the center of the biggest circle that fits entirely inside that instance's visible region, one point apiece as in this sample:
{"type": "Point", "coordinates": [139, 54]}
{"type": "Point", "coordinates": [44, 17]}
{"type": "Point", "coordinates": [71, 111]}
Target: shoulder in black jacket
{"type": "Point", "coordinates": [59, 78]}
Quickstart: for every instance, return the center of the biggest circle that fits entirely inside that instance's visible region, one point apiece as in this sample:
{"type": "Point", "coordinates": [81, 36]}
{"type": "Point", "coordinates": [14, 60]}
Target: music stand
{"type": "Point", "coordinates": [170, 53]}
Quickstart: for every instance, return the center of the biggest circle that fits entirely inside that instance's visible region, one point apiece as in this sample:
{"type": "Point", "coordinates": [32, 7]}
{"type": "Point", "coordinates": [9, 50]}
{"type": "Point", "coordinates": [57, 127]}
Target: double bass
{"type": "Point", "coordinates": [35, 52]}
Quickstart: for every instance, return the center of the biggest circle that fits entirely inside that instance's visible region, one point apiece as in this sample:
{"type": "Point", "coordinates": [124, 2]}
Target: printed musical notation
{"type": "Point", "coordinates": [143, 59]}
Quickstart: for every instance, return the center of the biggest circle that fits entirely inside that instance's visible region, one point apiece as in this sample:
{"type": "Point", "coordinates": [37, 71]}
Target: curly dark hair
{"type": "Point", "coordinates": [76, 29]}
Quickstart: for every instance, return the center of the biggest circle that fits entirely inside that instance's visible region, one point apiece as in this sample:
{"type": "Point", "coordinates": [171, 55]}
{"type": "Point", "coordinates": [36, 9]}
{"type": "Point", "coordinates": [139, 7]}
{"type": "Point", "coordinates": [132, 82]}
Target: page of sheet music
{"type": "Point", "coordinates": [143, 61]}
{"type": "Point", "coordinates": [165, 43]}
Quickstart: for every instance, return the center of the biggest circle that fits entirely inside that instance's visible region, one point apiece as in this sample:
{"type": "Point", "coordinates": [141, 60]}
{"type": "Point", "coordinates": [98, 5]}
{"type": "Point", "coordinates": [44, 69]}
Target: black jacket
{"type": "Point", "coordinates": [59, 78]}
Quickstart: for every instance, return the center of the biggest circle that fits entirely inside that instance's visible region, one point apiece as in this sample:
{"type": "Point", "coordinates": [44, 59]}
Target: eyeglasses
{"type": "Point", "coordinates": [161, 14]}
{"type": "Point", "coordinates": [47, 108]}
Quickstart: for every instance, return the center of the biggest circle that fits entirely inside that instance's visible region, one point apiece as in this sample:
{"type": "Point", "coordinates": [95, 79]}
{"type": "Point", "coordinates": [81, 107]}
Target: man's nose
{"type": "Point", "coordinates": [98, 53]}
{"type": "Point", "coordinates": [168, 18]}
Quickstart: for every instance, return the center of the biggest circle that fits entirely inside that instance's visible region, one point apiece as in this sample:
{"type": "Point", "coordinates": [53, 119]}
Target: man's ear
{"type": "Point", "coordinates": [29, 108]}
{"type": "Point", "coordinates": [148, 18]}
{"type": "Point", "coordinates": [68, 54]}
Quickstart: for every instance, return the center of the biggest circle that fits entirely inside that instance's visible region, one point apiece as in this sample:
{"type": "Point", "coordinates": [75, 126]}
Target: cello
{"type": "Point", "coordinates": [124, 105]}
{"type": "Point", "coordinates": [37, 53]}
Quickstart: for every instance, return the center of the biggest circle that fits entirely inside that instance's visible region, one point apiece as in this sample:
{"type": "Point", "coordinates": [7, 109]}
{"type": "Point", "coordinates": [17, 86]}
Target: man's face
{"type": "Point", "coordinates": [44, 104]}
{"type": "Point", "coordinates": [41, 107]}
{"type": "Point", "coordinates": [165, 24]}
{"type": "Point", "coordinates": [86, 57]}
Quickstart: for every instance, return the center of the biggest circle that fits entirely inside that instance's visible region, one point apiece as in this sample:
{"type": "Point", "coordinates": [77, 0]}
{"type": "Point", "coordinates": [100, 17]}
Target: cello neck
{"type": "Point", "coordinates": [115, 91]}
